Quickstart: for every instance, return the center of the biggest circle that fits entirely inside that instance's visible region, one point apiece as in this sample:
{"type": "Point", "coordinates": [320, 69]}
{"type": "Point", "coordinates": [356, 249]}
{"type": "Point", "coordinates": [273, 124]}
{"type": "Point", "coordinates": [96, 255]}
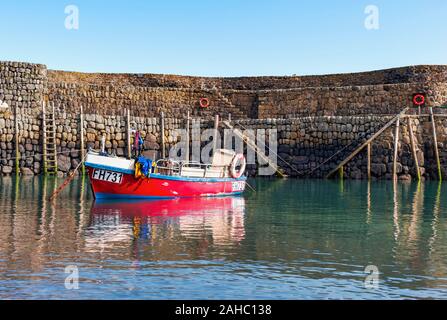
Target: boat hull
{"type": "Point", "coordinates": [161, 186]}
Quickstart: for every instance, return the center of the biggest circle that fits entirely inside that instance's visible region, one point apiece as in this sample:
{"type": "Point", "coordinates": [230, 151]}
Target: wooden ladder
{"type": "Point", "coordinates": [49, 140]}
{"type": "Point", "coordinates": [254, 147]}
{"type": "Point", "coordinates": [365, 143]}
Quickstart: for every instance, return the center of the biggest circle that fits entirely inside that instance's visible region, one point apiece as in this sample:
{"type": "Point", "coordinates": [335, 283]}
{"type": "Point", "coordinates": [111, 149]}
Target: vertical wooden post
{"type": "Point", "coordinates": [187, 138]}
{"type": "Point", "coordinates": [413, 149]}
{"type": "Point", "coordinates": [82, 139]}
{"type": "Point", "coordinates": [216, 132]}
{"type": "Point", "coordinates": [229, 118]}
{"type": "Point", "coordinates": [341, 172]}
{"type": "Point", "coordinates": [44, 138]}
{"type": "Point", "coordinates": [162, 134]}
{"type": "Point", "coordinates": [128, 134]}
{"type": "Point", "coordinates": [368, 166]}
{"type": "Point", "coordinates": [17, 142]}
{"type": "Point", "coordinates": [396, 149]}
{"type": "Point", "coordinates": [435, 143]}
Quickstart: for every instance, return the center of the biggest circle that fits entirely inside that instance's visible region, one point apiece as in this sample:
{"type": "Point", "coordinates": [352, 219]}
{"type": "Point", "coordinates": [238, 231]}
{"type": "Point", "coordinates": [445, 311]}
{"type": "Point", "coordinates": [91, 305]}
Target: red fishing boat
{"type": "Point", "coordinates": [114, 177]}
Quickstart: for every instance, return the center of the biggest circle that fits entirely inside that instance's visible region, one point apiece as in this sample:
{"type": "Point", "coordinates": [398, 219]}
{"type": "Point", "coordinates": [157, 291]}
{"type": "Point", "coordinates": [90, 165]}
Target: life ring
{"type": "Point", "coordinates": [239, 159]}
{"type": "Point", "coordinates": [419, 99]}
{"type": "Point", "coordinates": [204, 102]}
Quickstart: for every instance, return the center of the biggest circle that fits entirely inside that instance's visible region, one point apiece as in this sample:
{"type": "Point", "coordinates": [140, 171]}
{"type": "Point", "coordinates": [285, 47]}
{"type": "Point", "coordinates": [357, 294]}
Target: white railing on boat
{"type": "Point", "coordinates": [190, 169]}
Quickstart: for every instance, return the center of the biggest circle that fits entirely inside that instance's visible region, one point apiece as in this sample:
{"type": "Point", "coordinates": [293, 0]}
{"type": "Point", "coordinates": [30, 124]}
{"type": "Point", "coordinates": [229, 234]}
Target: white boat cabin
{"type": "Point", "coordinates": [219, 167]}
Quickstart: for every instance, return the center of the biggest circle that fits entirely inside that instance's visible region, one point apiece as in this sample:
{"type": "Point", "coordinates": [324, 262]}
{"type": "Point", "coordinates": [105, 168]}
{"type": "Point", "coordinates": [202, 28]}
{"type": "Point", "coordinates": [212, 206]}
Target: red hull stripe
{"type": "Point", "coordinates": [164, 187]}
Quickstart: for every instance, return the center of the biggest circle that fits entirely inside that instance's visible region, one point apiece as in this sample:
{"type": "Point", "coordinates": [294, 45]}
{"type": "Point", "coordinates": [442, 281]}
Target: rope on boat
{"type": "Point", "coordinates": [252, 189]}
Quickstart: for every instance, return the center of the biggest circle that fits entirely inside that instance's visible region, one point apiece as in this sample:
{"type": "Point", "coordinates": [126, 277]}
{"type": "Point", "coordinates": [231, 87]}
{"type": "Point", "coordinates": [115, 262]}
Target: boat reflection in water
{"type": "Point", "coordinates": [169, 225]}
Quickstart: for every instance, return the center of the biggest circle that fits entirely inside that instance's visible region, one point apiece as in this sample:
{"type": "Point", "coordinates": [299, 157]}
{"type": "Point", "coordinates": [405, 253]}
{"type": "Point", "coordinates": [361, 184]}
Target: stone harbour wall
{"type": "Point", "coordinates": [304, 145]}
{"type": "Point", "coordinates": [149, 101]}
{"type": "Point", "coordinates": [309, 144]}
{"type": "Point", "coordinates": [345, 101]}
{"type": "Point", "coordinates": [412, 74]}
{"type": "Point", "coordinates": [377, 92]}
{"type": "Point", "coordinates": [318, 118]}
{"type": "Point", "coordinates": [22, 84]}
{"type": "Point", "coordinates": [29, 142]}
{"type": "Point", "coordinates": [68, 138]}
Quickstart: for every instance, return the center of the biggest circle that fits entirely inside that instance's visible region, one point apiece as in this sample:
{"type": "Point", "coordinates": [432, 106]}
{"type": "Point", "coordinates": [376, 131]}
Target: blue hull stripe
{"type": "Point", "coordinates": [160, 176]}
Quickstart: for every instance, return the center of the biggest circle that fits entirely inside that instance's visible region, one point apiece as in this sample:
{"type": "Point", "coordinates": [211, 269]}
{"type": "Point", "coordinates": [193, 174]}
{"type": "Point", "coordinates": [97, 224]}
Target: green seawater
{"type": "Point", "coordinates": [291, 239]}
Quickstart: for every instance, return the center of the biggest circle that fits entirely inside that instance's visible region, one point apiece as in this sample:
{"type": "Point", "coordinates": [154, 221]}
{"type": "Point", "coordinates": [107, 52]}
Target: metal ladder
{"type": "Point", "coordinates": [49, 140]}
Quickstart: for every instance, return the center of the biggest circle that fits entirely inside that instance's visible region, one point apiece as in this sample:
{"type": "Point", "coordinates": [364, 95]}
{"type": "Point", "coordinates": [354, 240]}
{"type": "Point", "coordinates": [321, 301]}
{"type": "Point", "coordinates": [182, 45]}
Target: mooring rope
{"type": "Point", "coordinates": [67, 180]}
